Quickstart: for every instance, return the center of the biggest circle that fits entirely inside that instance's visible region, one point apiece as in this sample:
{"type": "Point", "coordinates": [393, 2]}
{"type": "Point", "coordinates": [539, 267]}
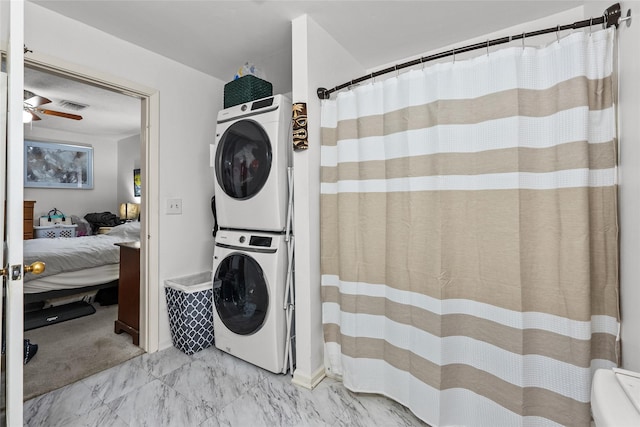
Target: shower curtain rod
{"type": "Point", "coordinates": [612, 16]}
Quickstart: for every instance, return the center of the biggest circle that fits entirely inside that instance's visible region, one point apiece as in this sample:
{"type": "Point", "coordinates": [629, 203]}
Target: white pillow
{"type": "Point", "coordinates": [128, 230]}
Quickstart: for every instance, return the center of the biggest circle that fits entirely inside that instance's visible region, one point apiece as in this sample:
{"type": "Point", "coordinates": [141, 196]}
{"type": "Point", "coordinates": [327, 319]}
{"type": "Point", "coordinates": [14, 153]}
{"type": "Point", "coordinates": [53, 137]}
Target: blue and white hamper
{"type": "Point", "coordinates": [190, 311]}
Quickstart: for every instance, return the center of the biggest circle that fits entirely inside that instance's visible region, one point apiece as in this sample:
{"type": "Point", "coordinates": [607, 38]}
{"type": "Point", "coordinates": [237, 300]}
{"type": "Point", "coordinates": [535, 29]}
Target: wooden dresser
{"type": "Point", "coordinates": [129, 291]}
{"type": "Point", "coordinates": [28, 219]}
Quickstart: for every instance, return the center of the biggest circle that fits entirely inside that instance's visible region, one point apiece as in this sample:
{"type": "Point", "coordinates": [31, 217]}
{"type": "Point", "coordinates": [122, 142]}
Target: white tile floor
{"type": "Point", "coordinates": [208, 389]}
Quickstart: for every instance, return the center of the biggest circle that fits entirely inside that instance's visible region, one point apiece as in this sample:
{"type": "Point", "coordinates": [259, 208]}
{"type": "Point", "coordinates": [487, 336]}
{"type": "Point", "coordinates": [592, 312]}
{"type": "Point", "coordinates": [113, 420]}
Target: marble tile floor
{"type": "Point", "coordinates": [208, 389]}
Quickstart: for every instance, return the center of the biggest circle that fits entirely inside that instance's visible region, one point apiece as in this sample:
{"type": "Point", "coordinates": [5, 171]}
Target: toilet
{"type": "Point", "coordinates": [615, 398]}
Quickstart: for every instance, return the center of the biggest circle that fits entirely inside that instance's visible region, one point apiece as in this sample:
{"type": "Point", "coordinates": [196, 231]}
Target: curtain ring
{"type": "Point", "coordinates": [590, 24]}
{"type": "Point", "coordinates": [422, 62]}
{"type": "Point", "coordinates": [454, 56]}
{"type": "Point", "coordinates": [558, 33]}
{"type": "Point", "coordinates": [487, 47]}
{"type": "Point", "coordinates": [397, 71]}
{"type": "Point", "coordinates": [373, 78]}
{"type": "Point", "coordinates": [523, 36]}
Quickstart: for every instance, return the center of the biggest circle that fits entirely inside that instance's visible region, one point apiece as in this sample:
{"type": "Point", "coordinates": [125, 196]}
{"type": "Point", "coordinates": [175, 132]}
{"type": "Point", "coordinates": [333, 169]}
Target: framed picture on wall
{"type": "Point", "coordinates": [137, 183]}
{"type": "Point", "coordinates": [55, 165]}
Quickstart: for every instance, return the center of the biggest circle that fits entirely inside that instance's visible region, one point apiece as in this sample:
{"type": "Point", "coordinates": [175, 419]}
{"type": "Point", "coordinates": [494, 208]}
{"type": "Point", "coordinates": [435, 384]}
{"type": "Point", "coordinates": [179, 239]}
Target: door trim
{"type": "Point", "coordinates": [150, 154]}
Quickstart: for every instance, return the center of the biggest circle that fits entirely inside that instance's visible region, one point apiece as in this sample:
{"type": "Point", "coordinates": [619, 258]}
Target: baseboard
{"type": "Point", "coordinates": [308, 381]}
{"type": "Point", "coordinates": [165, 345]}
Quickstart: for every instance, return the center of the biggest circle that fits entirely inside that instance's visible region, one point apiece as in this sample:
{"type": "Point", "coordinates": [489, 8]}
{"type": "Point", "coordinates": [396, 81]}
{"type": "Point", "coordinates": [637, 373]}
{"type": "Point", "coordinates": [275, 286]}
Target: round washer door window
{"type": "Point", "coordinates": [243, 159]}
{"type": "Point", "coordinates": [240, 294]}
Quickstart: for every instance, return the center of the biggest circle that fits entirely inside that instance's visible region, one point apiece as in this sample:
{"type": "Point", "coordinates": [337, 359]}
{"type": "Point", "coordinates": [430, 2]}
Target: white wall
{"type": "Point", "coordinates": [315, 55]}
{"type": "Point", "coordinates": [281, 81]}
{"type": "Point", "coordinates": [78, 202]}
{"type": "Point", "coordinates": [128, 160]}
{"type": "Point", "coordinates": [187, 125]}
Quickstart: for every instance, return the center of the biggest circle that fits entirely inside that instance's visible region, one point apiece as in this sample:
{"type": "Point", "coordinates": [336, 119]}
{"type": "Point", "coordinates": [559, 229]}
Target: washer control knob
{"type": "Point", "coordinates": [242, 239]}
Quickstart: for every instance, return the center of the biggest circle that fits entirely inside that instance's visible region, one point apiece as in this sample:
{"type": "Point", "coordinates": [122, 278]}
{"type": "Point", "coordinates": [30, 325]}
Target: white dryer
{"type": "Point", "coordinates": [249, 277]}
{"type": "Point", "coordinates": [252, 154]}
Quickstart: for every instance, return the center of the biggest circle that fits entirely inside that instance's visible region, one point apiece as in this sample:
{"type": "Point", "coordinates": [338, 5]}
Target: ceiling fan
{"type": "Point", "coordinates": [31, 106]}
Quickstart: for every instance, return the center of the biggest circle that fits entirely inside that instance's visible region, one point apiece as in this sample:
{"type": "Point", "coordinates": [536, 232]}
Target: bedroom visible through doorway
{"type": "Point", "coordinates": [118, 144]}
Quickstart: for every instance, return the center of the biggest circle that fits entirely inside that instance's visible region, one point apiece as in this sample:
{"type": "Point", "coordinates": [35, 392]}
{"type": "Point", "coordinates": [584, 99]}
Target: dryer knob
{"type": "Point", "coordinates": [242, 239]}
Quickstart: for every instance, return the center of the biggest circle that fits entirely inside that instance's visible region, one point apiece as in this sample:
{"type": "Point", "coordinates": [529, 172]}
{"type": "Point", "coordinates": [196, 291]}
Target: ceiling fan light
{"type": "Point", "coordinates": [27, 117]}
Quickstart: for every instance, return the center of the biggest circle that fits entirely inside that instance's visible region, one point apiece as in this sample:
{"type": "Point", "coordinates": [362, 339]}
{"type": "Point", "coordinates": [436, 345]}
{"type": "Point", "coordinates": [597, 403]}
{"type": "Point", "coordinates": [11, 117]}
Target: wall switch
{"type": "Point", "coordinates": [174, 207]}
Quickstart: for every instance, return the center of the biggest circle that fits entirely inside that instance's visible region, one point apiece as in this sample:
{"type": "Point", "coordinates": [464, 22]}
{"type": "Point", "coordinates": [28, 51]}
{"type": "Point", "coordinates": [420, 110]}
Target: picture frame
{"type": "Point", "coordinates": [137, 183]}
{"type": "Point", "coordinates": [57, 165]}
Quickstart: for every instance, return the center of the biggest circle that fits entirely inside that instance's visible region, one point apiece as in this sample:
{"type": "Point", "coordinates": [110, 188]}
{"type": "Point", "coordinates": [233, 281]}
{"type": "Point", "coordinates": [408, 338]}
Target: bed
{"type": "Point", "coordinates": [75, 265]}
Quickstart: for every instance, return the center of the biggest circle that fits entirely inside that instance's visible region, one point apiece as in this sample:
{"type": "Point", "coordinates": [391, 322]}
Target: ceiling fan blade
{"type": "Point", "coordinates": [60, 114]}
{"type": "Point", "coordinates": [37, 100]}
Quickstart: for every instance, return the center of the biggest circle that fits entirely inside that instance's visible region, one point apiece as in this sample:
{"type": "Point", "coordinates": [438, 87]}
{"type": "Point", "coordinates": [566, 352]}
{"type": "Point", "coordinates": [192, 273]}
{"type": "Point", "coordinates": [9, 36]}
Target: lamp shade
{"type": "Point", "coordinates": [129, 211]}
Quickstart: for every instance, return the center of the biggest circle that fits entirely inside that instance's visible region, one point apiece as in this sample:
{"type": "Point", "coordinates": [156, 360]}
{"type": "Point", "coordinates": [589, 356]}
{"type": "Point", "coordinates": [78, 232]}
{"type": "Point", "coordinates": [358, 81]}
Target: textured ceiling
{"type": "Point", "coordinates": [108, 114]}
{"type": "Point", "coordinates": [215, 37]}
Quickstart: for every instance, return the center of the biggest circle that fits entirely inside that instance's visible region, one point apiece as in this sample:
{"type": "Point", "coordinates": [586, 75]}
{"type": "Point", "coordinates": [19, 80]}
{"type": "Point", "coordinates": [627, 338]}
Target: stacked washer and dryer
{"type": "Point", "coordinates": [252, 281]}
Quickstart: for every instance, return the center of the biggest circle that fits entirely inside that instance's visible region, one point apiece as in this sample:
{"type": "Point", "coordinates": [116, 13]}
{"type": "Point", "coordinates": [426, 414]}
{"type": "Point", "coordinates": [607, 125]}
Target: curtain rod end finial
{"type": "Point", "coordinates": [612, 16]}
{"type": "Point", "coordinates": [322, 93]}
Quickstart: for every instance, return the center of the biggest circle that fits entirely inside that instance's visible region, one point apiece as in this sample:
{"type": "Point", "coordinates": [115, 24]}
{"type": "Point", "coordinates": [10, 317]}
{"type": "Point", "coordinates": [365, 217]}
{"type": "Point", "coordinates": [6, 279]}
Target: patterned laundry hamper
{"type": "Point", "coordinates": [190, 307]}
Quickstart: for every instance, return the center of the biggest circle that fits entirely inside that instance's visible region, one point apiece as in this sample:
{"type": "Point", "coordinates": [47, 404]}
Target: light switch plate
{"type": "Point", "coordinates": [173, 207]}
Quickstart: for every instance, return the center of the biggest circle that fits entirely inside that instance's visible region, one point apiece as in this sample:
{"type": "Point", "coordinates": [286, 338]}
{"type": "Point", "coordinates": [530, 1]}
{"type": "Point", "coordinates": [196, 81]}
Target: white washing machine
{"type": "Point", "coordinates": [252, 154]}
{"type": "Point", "coordinates": [249, 320]}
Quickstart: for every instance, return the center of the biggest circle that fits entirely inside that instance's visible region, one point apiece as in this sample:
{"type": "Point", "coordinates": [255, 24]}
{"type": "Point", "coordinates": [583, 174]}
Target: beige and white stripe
{"type": "Point", "coordinates": [469, 235]}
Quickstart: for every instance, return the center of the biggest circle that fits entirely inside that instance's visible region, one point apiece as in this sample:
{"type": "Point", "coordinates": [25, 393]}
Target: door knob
{"type": "Point", "coordinates": [35, 268]}
{"type": "Point", "coordinates": [15, 270]}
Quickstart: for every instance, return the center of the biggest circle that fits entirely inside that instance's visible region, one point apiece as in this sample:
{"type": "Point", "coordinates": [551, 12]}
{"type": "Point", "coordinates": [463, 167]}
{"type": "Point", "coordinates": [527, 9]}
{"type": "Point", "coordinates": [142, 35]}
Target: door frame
{"type": "Point", "coordinates": [149, 156]}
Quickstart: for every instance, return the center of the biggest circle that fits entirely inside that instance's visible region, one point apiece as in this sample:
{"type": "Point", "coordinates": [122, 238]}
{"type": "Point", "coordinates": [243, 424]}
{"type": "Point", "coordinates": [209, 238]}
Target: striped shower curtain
{"type": "Point", "coordinates": [469, 235]}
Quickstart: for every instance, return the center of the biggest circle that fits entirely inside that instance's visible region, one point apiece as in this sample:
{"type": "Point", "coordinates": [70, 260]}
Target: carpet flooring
{"type": "Point", "coordinates": [75, 349]}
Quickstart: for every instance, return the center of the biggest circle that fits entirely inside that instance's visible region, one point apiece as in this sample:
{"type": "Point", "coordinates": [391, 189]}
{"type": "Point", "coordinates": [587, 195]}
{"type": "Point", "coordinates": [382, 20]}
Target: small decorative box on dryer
{"type": "Point", "coordinates": [246, 88]}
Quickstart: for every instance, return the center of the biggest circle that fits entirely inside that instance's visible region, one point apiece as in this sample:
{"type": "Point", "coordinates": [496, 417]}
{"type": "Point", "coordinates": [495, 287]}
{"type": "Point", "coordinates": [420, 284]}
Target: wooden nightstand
{"type": "Point", "coordinates": [129, 291]}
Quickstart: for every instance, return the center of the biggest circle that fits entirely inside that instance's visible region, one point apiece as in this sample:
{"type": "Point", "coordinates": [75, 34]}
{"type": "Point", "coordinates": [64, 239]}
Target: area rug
{"type": "Point", "coordinates": [75, 349]}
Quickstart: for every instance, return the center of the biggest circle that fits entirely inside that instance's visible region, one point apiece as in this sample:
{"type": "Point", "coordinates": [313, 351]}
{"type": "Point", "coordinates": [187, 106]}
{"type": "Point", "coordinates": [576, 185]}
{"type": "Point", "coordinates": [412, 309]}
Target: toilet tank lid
{"type": "Point", "coordinates": [630, 383]}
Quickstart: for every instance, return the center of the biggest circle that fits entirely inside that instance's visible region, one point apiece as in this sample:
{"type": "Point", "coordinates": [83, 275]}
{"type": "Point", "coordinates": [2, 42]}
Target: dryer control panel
{"type": "Point", "coordinates": [247, 240]}
{"type": "Point", "coordinates": [260, 106]}
{"type": "Point", "coordinates": [266, 102]}
{"type": "Point", "coordinates": [260, 241]}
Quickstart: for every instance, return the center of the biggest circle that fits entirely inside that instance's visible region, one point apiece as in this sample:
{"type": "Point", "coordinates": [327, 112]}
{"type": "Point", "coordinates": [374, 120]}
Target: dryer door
{"type": "Point", "coordinates": [240, 294]}
{"type": "Point", "coordinates": [243, 159]}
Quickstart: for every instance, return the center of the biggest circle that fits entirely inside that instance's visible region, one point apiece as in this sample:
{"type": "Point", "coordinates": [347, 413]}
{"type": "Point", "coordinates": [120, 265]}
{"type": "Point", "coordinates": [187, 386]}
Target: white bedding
{"type": "Point", "coordinates": [73, 279]}
{"type": "Point", "coordinates": [64, 255]}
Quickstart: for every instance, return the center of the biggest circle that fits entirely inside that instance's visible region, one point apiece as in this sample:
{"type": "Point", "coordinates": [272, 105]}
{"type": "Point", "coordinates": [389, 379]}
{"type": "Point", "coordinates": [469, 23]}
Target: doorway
{"type": "Point", "coordinates": [148, 124]}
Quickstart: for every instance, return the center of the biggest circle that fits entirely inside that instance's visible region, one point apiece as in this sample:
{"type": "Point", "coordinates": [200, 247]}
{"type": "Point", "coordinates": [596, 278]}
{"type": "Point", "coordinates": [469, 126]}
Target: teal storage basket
{"type": "Point", "coordinates": [245, 89]}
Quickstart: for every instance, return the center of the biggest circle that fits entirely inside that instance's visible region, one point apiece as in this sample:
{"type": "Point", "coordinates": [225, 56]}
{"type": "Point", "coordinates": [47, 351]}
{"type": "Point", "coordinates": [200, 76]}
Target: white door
{"type": "Point", "coordinates": [12, 257]}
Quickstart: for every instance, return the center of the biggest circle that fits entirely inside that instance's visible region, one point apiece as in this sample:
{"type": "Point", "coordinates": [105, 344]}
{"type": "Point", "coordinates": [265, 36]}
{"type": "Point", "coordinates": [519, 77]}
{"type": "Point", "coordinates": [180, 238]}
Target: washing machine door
{"type": "Point", "coordinates": [240, 294]}
{"type": "Point", "coordinates": [243, 159]}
